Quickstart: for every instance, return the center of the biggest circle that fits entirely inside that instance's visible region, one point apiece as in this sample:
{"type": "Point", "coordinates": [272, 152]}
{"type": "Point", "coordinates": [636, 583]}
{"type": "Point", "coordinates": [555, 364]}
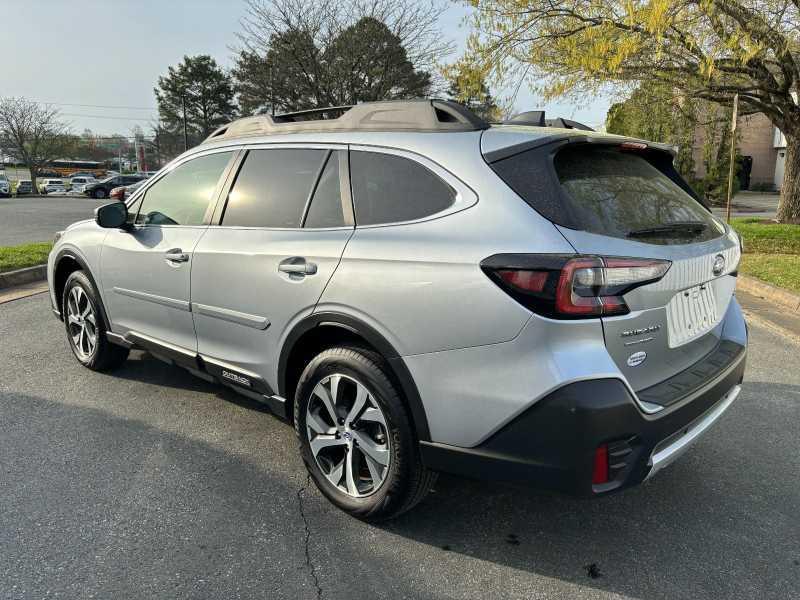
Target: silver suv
{"type": "Point", "coordinates": [419, 291]}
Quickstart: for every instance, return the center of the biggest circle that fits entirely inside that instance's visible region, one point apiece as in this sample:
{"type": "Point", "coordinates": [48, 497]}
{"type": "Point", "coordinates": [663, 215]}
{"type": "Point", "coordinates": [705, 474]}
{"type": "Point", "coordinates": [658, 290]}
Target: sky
{"type": "Point", "coordinates": [99, 60]}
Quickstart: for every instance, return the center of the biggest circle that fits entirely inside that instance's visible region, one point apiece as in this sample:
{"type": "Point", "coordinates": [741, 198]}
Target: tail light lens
{"type": "Point", "coordinates": [569, 286]}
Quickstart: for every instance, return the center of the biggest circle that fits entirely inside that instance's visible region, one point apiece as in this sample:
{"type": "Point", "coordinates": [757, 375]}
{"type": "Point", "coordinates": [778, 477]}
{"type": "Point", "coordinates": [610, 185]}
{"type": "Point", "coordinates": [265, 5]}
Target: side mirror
{"type": "Point", "coordinates": [118, 193]}
{"type": "Point", "coordinates": [111, 216]}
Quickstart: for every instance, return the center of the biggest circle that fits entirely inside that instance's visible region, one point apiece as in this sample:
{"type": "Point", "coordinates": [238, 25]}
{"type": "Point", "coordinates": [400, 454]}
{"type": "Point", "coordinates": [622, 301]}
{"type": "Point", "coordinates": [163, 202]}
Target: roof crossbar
{"type": "Point", "coordinates": [393, 115]}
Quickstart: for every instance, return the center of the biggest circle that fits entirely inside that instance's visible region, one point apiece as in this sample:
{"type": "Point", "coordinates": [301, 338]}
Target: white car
{"type": "Point", "coordinates": [79, 183]}
{"type": "Point", "coordinates": [52, 186]}
{"type": "Point", "coordinates": [5, 186]}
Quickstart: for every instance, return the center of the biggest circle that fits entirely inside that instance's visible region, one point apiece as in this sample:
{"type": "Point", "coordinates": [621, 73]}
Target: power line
{"type": "Point", "coordinates": [108, 117]}
{"type": "Point", "coordinates": [151, 108]}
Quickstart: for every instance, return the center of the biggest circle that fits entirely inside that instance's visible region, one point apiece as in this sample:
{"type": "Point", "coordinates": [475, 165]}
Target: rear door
{"type": "Point", "coordinates": [278, 239]}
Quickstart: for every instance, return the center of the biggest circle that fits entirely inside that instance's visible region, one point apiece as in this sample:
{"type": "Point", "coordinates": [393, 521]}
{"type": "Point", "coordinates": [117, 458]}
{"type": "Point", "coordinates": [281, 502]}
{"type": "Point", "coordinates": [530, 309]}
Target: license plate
{"type": "Point", "coordinates": [691, 313]}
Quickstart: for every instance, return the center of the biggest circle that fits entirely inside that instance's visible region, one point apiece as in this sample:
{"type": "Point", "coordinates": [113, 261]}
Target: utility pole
{"type": "Point", "coordinates": [733, 156]}
{"type": "Point", "coordinates": [185, 135]}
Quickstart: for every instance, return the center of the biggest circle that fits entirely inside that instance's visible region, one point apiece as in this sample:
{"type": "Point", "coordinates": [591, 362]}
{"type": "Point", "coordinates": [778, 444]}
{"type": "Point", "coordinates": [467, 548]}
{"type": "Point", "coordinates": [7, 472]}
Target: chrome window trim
{"type": "Point", "coordinates": [465, 196]}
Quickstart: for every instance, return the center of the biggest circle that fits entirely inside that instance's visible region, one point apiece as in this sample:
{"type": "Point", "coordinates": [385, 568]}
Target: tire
{"type": "Point", "coordinates": [83, 321]}
{"type": "Point", "coordinates": [99, 193]}
{"type": "Point", "coordinates": [381, 423]}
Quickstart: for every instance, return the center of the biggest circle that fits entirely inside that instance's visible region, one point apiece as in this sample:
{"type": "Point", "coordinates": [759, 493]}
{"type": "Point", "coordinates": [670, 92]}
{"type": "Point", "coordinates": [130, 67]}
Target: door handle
{"type": "Point", "coordinates": [297, 265]}
{"type": "Point", "coordinates": [176, 255]}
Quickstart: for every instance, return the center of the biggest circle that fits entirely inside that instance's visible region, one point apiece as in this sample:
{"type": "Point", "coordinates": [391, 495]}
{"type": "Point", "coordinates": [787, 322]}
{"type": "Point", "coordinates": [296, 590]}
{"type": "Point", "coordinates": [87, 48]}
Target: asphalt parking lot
{"type": "Point", "coordinates": [37, 218]}
{"type": "Point", "coordinates": [149, 483]}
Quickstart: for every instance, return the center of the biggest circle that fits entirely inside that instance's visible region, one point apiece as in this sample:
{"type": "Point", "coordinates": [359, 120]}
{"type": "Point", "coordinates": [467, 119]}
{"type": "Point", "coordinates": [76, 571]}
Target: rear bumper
{"type": "Point", "coordinates": [552, 444]}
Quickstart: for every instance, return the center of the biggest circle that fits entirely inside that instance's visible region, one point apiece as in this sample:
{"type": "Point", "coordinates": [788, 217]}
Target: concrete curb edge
{"type": "Point", "coordinates": [22, 276]}
{"type": "Point", "coordinates": [770, 292]}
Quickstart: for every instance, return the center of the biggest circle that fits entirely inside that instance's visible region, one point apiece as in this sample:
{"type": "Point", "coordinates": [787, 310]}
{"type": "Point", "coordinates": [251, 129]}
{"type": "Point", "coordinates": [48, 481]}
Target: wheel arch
{"type": "Point", "coordinates": [67, 262]}
{"type": "Point", "coordinates": [327, 329]}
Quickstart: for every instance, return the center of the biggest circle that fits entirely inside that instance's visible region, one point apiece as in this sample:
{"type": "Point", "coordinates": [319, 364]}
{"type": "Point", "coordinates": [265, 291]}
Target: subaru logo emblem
{"type": "Point", "coordinates": [719, 264]}
{"type": "Point", "coordinates": [347, 436]}
{"type": "Point", "coordinates": [637, 358]}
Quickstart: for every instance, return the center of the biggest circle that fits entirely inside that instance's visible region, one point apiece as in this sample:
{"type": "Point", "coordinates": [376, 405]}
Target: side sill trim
{"type": "Point", "coordinates": [163, 300]}
{"type": "Point", "coordinates": [234, 316]}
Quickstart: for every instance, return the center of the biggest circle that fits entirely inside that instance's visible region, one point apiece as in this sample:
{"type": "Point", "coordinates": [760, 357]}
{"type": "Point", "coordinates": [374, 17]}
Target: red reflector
{"type": "Point", "coordinates": [600, 470]}
{"type": "Point", "coordinates": [530, 281]}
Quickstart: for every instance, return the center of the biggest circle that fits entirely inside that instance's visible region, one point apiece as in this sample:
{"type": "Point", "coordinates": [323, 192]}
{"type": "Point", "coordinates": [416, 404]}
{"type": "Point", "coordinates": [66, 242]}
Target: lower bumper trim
{"type": "Point", "coordinates": [675, 448]}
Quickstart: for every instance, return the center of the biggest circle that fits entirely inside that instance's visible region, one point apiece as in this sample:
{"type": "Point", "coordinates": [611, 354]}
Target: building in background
{"type": "Point", "coordinates": [763, 150]}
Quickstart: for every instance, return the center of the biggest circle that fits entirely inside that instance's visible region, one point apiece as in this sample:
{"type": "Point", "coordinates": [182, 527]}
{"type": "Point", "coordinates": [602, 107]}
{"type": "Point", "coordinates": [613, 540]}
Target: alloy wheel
{"type": "Point", "coordinates": [81, 323]}
{"type": "Point", "coordinates": [348, 435]}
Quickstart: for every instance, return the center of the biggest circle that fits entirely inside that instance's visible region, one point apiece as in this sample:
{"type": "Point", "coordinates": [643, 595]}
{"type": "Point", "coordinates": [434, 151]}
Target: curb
{"type": "Point", "coordinates": [23, 276]}
{"type": "Point", "coordinates": [785, 298]}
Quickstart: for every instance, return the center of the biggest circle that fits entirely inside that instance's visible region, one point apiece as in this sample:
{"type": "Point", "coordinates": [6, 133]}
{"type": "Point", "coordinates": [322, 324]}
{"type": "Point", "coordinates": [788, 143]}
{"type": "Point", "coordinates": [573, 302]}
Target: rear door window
{"type": "Point", "coordinates": [392, 189]}
{"type": "Point", "coordinates": [272, 188]}
{"type": "Point", "coordinates": [610, 192]}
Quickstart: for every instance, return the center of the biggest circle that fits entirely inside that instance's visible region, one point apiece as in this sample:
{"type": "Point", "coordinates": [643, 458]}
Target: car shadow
{"type": "Point", "coordinates": [719, 523]}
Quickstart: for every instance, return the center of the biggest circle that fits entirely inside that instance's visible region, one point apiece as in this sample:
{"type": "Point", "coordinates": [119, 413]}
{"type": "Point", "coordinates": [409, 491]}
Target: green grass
{"type": "Point", "coordinates": [782, 270]}
{"type": "Point", "coordinates": [26, 255]}
{"type": "Point", "coordinates": [768, 238]}
{"type": "Point", "coordinates": [771, 252]}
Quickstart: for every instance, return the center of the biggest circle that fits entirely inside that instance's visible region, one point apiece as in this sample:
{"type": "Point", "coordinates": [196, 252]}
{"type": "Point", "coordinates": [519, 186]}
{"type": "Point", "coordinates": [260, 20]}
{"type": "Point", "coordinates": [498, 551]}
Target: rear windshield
{"type": "Point", "coordinates": [619, 194]}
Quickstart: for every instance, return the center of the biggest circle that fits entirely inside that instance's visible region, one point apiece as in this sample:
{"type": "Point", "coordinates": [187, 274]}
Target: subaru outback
{"type": "Point", "coordinates": [418, 291]}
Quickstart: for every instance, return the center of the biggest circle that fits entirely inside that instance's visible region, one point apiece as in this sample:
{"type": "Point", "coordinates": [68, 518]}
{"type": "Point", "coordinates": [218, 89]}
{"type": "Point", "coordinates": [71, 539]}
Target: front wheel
{"type": "Point", "coordinates": [356, 437]}
{"type": "Point", "coordinates": [99, 194]}
{"type": "Point", "coordinates": [86, 330]}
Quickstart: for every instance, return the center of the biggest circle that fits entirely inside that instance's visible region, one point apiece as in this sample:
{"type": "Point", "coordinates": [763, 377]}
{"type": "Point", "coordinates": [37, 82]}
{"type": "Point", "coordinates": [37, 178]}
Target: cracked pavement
{"type": "Point", "coordinates": [150, 483]}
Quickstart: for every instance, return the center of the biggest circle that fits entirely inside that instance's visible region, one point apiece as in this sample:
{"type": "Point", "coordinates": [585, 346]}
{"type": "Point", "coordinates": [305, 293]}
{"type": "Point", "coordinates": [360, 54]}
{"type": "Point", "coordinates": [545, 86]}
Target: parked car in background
{"type": "Point", "coordinates": [24, 186]}
{"type": "Point", "coordinates": [102, 189]}
{"type": "Point", "coordinates": [52, 186]}
{"type": "Point", "coordinates": [5, 186]}
{"type": "Point", "coordinates": [125, 191]}
{"type": "Point", "coordinates": [78, 184]}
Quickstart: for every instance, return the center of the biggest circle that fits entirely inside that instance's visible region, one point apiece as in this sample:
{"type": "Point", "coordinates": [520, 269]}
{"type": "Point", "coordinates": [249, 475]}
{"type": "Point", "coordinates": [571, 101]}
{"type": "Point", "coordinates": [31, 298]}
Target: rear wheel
{"type": "Point", "coordinates": [356, 437]}
{"type": "Point", "coordinates": [86, 329]}
{"type": "Point", "coordinates": [99, 193]}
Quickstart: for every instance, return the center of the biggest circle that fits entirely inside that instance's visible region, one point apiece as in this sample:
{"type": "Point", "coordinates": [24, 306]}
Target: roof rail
{"type": "Point", "coordinates": [392, 115]}
{"type": "Point", "coordinates": [535, 118]}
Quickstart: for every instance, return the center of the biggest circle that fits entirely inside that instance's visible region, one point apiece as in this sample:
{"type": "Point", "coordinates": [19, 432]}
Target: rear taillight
{"type": "Point", "coordinates": [572, 287]}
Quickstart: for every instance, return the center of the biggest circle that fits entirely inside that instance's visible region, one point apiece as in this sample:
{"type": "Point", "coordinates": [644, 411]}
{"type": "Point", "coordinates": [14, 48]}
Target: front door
{"type": "Point", "coordinates": [285, 225]}
{"type": "Point", "coordinates": [146, 269]}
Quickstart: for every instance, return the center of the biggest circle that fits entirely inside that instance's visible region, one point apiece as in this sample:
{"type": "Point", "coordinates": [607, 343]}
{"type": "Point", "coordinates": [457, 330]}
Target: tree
{"type": "Point", "coordinates": [654, 112]}
{"type": "Point", "coordinates": [709, 49]}
{"type": "Point", "coordinates": [207, 91]}
{"type": "Point", "coordinates": [300, 54]}
{"type": "Point", "coordinates": [468, 86]}
{"type": "Point", "coordinates": [32, 132]}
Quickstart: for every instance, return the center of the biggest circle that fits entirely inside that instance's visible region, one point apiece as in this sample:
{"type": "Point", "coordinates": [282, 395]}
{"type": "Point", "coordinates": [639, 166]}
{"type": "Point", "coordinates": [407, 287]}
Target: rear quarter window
{"type": "Point", "coordinates": [392, 189]}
